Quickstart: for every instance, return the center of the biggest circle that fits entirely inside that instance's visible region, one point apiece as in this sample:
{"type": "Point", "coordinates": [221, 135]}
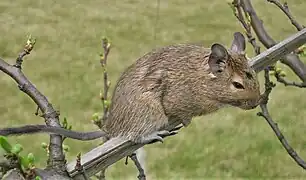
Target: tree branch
{"type": "Point", "coordinates": [105, 155]}
{"type": "Point", "coordinates": [265, 113]}
{"type": "Point", "coordinates": [104, 96]}
{"type": "Point", "coordinates": [264, 103]}
{"type": "Point", "coordinates": [103, 61]}
{"type": "Point", "coordinates": [282, 80]}
{"type": "Point", "coordinates": [271, 55]}
{"type": "Point", "coordinates": [291, 60]}
{"type": "Point", "coordinates": [284, 7]}
{"type": "Point", "coordinates": [56, 158]}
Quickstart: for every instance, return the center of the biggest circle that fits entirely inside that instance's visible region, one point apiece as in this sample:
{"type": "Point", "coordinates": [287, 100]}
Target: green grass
{"type": "Point", "coordinates": [229, 144]}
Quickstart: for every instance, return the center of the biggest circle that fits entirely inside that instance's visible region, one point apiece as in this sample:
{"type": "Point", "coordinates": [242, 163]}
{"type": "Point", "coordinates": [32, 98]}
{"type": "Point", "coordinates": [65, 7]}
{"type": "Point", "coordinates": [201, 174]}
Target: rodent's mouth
{"type": "Point", "coordinates": [234, 103]}
{"type": "Point", "coordinates": [244, 104]}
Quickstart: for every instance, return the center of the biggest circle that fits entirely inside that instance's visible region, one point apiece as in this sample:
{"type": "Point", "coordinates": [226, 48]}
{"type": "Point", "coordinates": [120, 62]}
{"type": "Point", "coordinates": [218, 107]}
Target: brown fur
{"type": "Point", "coordinates": [175, 82]}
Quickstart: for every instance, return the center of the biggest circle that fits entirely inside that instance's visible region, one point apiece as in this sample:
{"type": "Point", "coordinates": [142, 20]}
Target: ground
{"type": "Point", "coordinates": [64, 65]}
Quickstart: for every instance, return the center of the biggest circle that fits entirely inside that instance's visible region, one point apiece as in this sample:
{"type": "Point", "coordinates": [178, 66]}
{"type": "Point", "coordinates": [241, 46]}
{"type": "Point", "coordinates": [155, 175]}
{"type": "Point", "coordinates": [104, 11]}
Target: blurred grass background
{"type": "Point", "coordinates": [64, 65]}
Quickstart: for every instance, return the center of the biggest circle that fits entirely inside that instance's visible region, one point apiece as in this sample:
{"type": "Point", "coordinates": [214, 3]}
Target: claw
{"type": "Point", "coordinates": [153, 138]}
{"type": "Point", "coordinates": [159, 135]}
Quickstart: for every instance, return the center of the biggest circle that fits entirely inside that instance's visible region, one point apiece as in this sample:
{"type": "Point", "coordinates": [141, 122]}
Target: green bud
{"type": "Point", "coordinates": [271, 73]}
{"type": "Point", "coordinates": [44, 145]}
{"type": "Point", "coordinates": [104, 39]}
{"type": "Point", "coordinates": [17, 148]}
{"type": "Point", "coordinates": [5, 144]}
{"type": "Point", "coordinates": [230, 3]}
{"type": "Point", "coordinates": [30, 40]}
{"type": "Point", "coordinates": [37, 178]}
{"type": "Point", "coordinates": [66, 148]}
{"type": "Point", "coordinates": [65, 123]}
{"type": "Point", "coordinates": [278, 70]}
{"type": "Point", "coordinates": [95, 117]}
{"type": "Point", "coordinates": [248, 19]}
{"type": "Point", "coordinates": [24, 162]}
{"type": "Point", "coordinates": [283, 74]}
{"type": "Point", "coordinates": [107, 103]}
{"type": "Point", "coordinates": [101, 57]}
{"type": "Point", "coordinates": [31, 158]}
{"type": "Point", "coordinates": [108, 45]}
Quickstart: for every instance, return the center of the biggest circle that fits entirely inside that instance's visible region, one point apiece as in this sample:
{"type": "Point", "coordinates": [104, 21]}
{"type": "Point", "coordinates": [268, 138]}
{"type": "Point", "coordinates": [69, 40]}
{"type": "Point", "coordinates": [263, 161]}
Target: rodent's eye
{"type": "Point", "coordinates": [248, 75]}
{"type": "Point", "coordinates": [238, 85]}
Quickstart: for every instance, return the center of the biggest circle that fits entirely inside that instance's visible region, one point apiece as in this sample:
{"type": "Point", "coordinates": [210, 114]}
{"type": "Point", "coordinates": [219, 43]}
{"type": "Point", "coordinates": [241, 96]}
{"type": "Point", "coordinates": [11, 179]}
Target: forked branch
{"type": "Point", "coordinates": [291, 60]}
{"type": "Point", "coordinates": [265, 96]}
{"type": "Point", "coordinates": [56, 157]}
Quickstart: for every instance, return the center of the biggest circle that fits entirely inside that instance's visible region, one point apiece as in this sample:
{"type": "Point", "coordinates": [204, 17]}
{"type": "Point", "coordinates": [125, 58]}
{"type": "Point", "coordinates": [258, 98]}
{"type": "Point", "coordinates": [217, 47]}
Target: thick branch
{"type": "Point", "coordinates": [291, 60]}
{"type": "Point", "coordinates": [271, 55]}
{"type": "Point", "coordinates": [56, 158]}
{"type": "Point", "coordinates": [105, 155]}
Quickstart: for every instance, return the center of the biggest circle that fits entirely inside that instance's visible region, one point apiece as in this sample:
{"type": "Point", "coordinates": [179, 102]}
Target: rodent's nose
{"type": "Point", "coordinates": [255, 103]}
{"type": "Point", "coordinates": [252, 104]}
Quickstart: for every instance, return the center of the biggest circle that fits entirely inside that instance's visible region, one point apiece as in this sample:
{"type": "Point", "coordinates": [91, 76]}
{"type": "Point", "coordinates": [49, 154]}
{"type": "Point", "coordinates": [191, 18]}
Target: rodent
{"type": "Point", "coordinates": [176, 82]}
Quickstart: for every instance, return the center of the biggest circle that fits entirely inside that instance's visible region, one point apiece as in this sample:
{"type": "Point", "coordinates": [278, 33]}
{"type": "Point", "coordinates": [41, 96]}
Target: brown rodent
{"type": "Point", "coordinates": [176, 82]}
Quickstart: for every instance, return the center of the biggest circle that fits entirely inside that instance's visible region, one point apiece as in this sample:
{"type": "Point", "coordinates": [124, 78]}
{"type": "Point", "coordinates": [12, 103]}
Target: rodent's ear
{"type": "Point", "coordinates": [218, 57]}
{"type": "Point", "coordinates": [238, 44]}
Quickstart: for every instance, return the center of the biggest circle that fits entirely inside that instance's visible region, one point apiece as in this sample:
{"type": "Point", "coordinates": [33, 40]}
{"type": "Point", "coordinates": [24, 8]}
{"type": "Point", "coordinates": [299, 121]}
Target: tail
{"type": "Point", "coordinates": [32, 129]}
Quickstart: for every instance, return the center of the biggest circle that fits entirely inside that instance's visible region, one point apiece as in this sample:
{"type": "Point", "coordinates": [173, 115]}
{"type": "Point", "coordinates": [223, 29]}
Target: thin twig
{"type": "Point", "coordinates": [141, 171]}
{"type": "Point", "coordinates": [245, 22]}
{"type": "Point", "coordinates": [102, 174]}
{"type": "Point", "coordinates": [106, 83]}
{"type": "Point", "coordinates": [289, 83]}
{"type": "Point", "coordinates": [266, 115]}
{"type": "Point", "coordinates": [284, 7]}
{"type": "Point", "coordinates": [26, 51]}
{"type": "Point", "coordinates": [104, 97]}
{"type": "Point", "coordinates": [106, 48]}
{"type": "Point", "coordinates": [79, 167]}
{"type": "Point", "coordinates": [37, 111]}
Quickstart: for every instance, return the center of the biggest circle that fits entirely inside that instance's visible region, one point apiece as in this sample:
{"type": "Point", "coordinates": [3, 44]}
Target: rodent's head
{"type": "Point", "coordinates": [235, 81]}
